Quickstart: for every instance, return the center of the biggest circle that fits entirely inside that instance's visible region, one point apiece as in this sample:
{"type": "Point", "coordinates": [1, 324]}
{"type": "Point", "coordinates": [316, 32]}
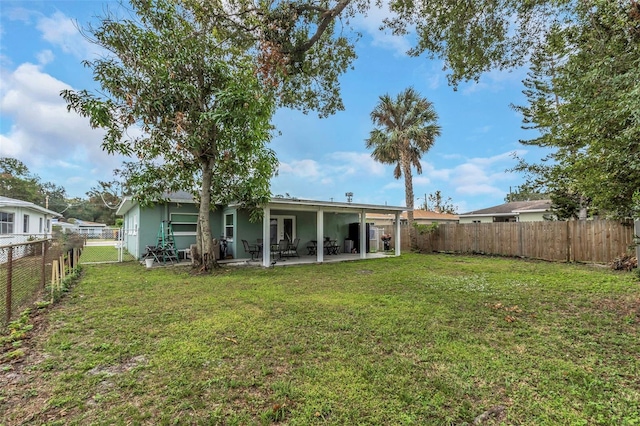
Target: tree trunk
{"type": "Point", "coordinates": [408, 191]}
{"type": "Point", "coordinates": [207, 258]}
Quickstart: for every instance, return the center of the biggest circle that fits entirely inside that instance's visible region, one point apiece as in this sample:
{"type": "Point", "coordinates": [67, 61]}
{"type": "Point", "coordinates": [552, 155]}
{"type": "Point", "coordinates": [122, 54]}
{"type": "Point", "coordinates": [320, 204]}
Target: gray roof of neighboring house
{"type": "Point", "coordinates": [512, 208]}
{"type": "Point", "coordinates": [12, 202]}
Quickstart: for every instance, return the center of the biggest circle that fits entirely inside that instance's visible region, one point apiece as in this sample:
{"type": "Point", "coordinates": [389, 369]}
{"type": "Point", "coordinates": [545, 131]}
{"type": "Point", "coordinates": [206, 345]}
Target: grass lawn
{"type": "Point", "coordinates": [419, 339]}
{"type": "Point", "coordinates": [103, 254]}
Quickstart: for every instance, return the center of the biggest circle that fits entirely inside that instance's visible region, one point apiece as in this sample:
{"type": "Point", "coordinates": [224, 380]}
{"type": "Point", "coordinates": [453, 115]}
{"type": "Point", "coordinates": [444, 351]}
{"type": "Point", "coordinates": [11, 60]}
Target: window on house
{"type": "Point", "coordinates": [25, 223]}
{"type": "Point", "coordinates": [228, 227]}
{"type": "Point", "coordinates": [6, 223]}
{"type": "Point", "coordinates": [40, 226]}
{"type": "Point", "coordinates": [184, 223]}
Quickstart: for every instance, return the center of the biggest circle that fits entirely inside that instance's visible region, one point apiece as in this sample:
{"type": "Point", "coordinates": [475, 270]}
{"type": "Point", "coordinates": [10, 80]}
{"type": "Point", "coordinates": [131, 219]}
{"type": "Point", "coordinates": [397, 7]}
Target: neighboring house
{"type": "Point", "coordinates": [283, 218]}
{"type": "Point", "coordinates": [422, 217]}
{"type": "Point", "coordinates": [85, 228]}
{"type": "Point", "coordinates": [93, 229]}
{"type": "Point", "coordinates": [22, 220]}
{"type": "Point", "coordinates": [64, 227]}
{"type": "Point", "coordinates": [517, 211]}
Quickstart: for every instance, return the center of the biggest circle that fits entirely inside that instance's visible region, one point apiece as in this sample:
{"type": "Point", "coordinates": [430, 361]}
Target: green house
{"type": "Point", "coordinates": [291, 219]}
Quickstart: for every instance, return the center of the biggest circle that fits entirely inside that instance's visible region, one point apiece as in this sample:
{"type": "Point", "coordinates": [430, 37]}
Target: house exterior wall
{"type": "Point", "coordinates": [38, 225]}
{"type": "Point", "coordinates": [475, 219]}
{"type": "Point", "coordinates": [520, 216]}
{"type": "Point", "coordinates": [143, 224]}
{"type": "Point", "coordinates": [531, 216]}
{"type": "Point", "coordinates": [131, 230]}
{"type": "Point", "coordinates": [245, 230]}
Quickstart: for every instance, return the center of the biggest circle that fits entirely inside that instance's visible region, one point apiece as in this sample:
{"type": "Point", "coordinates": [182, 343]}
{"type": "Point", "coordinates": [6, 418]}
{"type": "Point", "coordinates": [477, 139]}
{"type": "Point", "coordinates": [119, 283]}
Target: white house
{"type": "Point", "coordinates": [22, 220]}
{"type": "Point", "coordinates": [517, 211]}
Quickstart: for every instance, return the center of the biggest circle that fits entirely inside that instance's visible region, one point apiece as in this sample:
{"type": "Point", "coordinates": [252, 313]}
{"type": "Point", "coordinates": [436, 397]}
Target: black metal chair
{"type": "Point", "coordinates": [292, 248]}
{"type": "Point", "coordinates": [280, 248]}
{"type": "Point", "coordinates": [251, 249]}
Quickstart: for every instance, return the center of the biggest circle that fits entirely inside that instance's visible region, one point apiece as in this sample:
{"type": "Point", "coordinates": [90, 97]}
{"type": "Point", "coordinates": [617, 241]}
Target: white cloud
{"type": "Point", "coordinates": [432, 74]}
{"type": "Point", "coordinates": [63, 32]}
{"type": "Point", "coordinates": [20, 14]}
{"type": "Point", "coordinates": [371, 23]}
{"type": "Point", "coordinates": [355, 163]}
{"type": "Point", "coordinates": [395, 184]}
{"type": "Point", "coordinates": [496, 80]}
{"type": "Point", "coordinates": [482, 176]}
{"type": "Point", "coordinates": [45, 57]}
{"type": "Point", "coordinates": [483, 189]}
{"type": "Point", "coordinates": [49, 140]}
{"type": "Point", "coordinates": [306, 169]}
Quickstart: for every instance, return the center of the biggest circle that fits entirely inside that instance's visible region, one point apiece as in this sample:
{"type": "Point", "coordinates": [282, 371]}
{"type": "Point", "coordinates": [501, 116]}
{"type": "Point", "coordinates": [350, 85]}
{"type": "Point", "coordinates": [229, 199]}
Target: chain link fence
{"type": "Point", "coordinates": [29, 268]}
{"type": "Point", "coordinates": [24, 268]}
{"type": "Point", "coordinates": [104, 247]}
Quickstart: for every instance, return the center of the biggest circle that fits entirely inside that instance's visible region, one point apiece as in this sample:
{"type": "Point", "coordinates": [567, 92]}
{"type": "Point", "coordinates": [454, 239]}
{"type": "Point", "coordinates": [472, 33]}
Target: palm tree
{"type": "Point", "coordinates": [405, 129]}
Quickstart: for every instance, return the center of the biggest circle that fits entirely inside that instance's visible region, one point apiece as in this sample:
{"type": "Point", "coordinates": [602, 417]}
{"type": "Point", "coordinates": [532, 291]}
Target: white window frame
{"type": "Point", "coordinates": [7, 222]}
{"type": "Point", "coordinates": [182, 221]}
{"type": "Point", "coordinates": [229, 229]}
{"type": "Point", "coordinates": [25, 224]}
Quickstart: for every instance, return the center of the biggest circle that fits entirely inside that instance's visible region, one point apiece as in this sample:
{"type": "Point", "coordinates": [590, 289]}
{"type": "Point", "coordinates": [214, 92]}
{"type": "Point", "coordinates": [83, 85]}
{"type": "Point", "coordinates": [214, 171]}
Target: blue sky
{"type": "Point", "coordinates": [41, 52]}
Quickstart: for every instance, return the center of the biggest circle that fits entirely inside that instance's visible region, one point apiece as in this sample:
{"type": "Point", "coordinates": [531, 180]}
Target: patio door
{"type": "Point", "coordinates": [282, 228]}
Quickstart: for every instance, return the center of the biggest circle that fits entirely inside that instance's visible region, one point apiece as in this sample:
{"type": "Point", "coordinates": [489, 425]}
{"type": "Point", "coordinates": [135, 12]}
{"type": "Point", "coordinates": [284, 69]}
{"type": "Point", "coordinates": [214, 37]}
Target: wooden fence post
{"type": "Point", "coordinates": [43, 265]}
{"type": "Point", "coordinates": [569, 242]}
{"type": "Point", "coordinates": [9, 278]}
{"type": "Point", "coordinates": [636, 238]}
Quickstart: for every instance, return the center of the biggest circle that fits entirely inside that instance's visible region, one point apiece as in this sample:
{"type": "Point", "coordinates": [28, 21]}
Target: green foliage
{"type": "Point", "coordinates": [426, 229]}
{"type": "Point", "coordinates": [18, 330]}
{"type": "Point", "coordinates": [17, 182]}
{"type": "Point", "coordinates": [525, 193]}
{"type": "Point", "coordinates": [199, 116]}
{"type": "Point", "coordinates": [635, 199]}
{"type": "Point", "coordinates": [584, 100]}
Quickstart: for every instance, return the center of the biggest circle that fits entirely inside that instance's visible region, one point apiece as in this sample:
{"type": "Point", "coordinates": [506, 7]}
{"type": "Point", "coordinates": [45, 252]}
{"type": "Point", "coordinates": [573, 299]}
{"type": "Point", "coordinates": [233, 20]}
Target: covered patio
{"type": "Point", "coordinates": [322, 218]}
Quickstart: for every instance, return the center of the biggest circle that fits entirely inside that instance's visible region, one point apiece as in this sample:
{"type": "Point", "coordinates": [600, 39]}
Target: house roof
{"type": "Point", "coordinates": [427, 214]}
{"type": "Point", "coordinates": [283, 203]}
{"type": "Point", "coordinates": [331, 206]}
{"type": "Point", "coordinates": [181, 197]}
{"type": "Point", "coordinates": [513, 208]}
{"type": "Point", "coordinates": [12, 202]}
{"type": "Point", "coordinates": [417, 214]}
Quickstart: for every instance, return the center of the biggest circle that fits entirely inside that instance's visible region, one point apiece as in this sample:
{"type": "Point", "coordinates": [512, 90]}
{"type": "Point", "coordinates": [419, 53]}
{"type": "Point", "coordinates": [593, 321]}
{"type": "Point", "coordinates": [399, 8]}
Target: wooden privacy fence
{"type": "Point", "coordinates": [598, 241]}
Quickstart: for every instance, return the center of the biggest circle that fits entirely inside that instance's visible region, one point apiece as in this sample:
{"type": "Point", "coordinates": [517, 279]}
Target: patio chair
{"type": "Point", "coordinates": [312, 247]}
{"type": "Point", "coordinates": [280, 248]}
{"type": "Point", "coordinates": [292, 248]}
{"type": "Point", "coordinates": [152, 252]}
{"type": "Point", "coordinates": [251, 249]}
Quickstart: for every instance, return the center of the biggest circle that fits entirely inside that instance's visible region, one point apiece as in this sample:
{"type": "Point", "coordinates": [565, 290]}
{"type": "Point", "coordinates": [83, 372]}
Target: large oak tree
{"type": "Point", "coordinates": [184, 101]}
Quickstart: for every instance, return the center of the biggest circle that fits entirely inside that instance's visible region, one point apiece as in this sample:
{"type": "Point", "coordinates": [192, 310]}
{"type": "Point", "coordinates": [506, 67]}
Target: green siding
{"type": "Point", "coordinates": [149, 220]}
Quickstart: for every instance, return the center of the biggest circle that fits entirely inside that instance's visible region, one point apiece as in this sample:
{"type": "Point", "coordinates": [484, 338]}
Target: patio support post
{"type": "Point", "coordinates": [320, 235]}
{"type": "Point", "coordinates": [398, 242]}
{"type": "Point", "coordinates": [363, 234]}
{"type": "Point", "coordinates": [266, 237]}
